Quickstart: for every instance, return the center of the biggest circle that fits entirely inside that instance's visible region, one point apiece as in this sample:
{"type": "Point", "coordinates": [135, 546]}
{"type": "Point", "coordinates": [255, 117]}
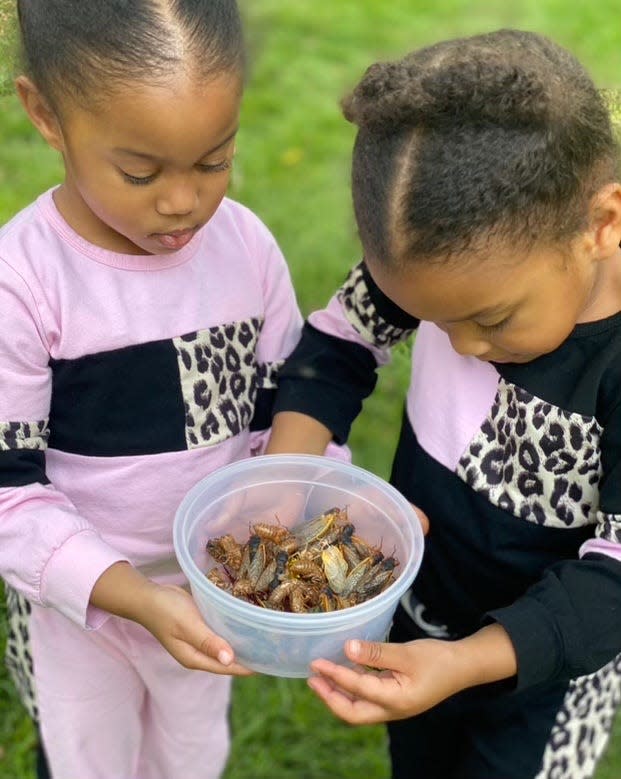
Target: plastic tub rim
{"type": "Point", "coordinates": [294, 622]}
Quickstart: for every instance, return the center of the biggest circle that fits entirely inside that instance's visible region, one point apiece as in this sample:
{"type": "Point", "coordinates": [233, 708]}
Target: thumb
{"type": "Point", "coordinates": [374, 654]}
{"type": "Point", "coordinates": [422, 518]}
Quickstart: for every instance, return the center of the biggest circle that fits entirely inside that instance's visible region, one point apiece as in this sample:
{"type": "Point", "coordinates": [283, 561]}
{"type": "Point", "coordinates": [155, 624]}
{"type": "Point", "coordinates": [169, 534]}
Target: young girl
{"type": "Point", "coordinates": [144, 316]}
{"type": "Point", "coordinates": [487, 196]}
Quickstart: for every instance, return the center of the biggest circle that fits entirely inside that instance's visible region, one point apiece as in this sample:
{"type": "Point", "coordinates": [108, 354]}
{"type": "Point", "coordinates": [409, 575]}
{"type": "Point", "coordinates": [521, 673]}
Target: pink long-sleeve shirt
{"type": "Point", "coordinates": [123, 381]}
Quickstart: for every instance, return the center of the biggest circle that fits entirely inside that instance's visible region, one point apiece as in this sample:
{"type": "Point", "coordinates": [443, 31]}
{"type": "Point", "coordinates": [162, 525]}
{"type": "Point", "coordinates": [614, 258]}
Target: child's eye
{"type": "Point", "coordinates": [138, 181]}
{"type": "Point", "coordinates": [496, 326]}
{"type": "Point", "coordinates": [216, 167]}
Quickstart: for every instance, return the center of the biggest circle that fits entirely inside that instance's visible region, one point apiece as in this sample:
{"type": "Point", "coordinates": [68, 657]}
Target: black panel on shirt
{"type": "Point", "coordinates": [337, 376]}
{"type": "Point", "coordinates": [19, 467]}
{"type": "Point", "coordinates": [122, 402]}
{"type": "Point", "coordinates": [263, 410]}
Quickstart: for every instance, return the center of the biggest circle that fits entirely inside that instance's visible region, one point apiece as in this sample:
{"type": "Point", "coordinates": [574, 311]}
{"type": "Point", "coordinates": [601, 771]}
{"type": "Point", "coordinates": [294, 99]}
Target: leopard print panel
{"type": "Point", "coordinates": [535, 460]}
{"type": "Point", "coordinates": [24, 435]}
{"type": "Point", "coordinates": [362, 315]}
{"type": "Point", "coordinates": [18, 658]}
{"type": "Point", "coordinates": [583, 724]}
{"type": "Point", "coordinates": [220, 379]}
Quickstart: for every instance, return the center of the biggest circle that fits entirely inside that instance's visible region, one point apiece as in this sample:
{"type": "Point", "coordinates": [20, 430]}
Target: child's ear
{"type": "Point", "coordinates": [604, 232]}
{"type": "Point", "coordinates": [41, 114]}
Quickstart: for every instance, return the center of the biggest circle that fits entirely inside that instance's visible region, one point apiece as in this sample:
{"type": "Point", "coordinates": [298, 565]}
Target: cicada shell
{"type": "Point", "coordinates": [305, 569]}
{"type": "Point", "coordinates": [243, 588]}
{"type": "Point", "coordinates": [218, 577]}
{"type": "Point", "coordinates": [327, 600]}
{"type": "Point", "coordinates": [275, 533]}
{"type": "Point", "coordinates": [278, 596]}
{"type": "Point", "coordinates": [219, 548]}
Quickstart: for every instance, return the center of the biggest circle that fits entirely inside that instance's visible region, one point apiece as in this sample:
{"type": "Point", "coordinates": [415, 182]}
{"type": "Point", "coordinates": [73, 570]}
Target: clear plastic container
{"type": "Point", "coordinates": [289, 489]}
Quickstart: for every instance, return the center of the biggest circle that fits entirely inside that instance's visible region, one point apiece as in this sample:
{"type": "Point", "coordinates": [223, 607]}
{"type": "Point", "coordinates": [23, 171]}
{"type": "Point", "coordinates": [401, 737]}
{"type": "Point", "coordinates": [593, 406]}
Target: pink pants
{"type": "Point", "coordinates": [115, 705]}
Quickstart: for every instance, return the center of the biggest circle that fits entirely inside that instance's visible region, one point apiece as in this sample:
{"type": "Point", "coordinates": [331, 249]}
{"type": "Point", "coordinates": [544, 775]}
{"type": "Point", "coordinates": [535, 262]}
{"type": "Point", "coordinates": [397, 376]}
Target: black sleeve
{"type": "Point", "coordinates": [569, 623]}
{"type": "Point", "coordinates": [327, 377]}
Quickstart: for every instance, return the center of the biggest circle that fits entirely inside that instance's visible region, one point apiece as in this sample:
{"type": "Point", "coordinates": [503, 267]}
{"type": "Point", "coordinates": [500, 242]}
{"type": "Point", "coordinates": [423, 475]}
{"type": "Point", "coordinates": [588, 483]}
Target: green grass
{"type": "Point", "coordinates": [293, 170]}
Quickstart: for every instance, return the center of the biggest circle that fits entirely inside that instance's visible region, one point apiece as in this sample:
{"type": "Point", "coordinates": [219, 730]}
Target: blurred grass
{"type": "Point", "coordinates": [292, 168]}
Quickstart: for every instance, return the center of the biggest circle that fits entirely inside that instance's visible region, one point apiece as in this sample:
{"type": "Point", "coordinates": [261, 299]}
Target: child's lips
{"type": "Point", "coordinates": [176, 239]}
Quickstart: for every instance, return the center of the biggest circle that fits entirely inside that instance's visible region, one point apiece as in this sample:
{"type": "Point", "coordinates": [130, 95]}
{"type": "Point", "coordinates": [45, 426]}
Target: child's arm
{"type": "Point", "coordinates": [415, 676]}
{"type": "Point", "coordinates": [169, 613]}
{"type": "Point", "coordinates": [48, 550]}
{"type": "Point", "coordinates": [565, 625]}
{"type": "Point", "coordinates": [293, 432]}
{"type": "Point", "coordinates": [333, 368]}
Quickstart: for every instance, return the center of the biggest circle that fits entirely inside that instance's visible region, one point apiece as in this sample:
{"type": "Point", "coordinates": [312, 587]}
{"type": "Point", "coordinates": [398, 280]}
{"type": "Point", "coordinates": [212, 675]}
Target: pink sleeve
{"type": "Point", "coordinates": [334, 320]}
{"type": "Point", "coordinates": [47, 550]}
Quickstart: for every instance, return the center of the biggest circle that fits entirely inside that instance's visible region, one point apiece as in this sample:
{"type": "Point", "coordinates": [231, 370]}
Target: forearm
{"type": "Point", "coordinates": [123, 591]}
{"type": "Point", "coordinates": [297, 433]}
{"type": "Point", "coordinates": [484, 657]}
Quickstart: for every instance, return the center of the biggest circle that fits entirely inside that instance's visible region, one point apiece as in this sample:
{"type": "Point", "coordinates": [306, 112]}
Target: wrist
{"type": "Point", "coordinates": [123, 591]}
{"type": "Point", "coordinates": [486, 656]}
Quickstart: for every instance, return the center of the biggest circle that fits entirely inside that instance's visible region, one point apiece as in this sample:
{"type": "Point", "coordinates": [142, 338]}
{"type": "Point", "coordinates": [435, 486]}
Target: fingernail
{"type": "Point", "coordinates": [355, 647]}
{"type": "Point", "coordinates": [226, 658]}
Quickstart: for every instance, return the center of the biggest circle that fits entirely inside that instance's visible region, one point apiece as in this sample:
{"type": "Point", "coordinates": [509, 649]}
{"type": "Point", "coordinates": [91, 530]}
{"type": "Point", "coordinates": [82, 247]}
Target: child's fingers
{"type": "Point", "coordinates": [353, 710]}
{"type": "Point", "coordinates": [191, 657]}
{"type": "Point", "coordinates": [211, 645]}
{"type": "Point", "coordinates": [375, 654]}
{"type": "Point", "coordinates": [371, 687]}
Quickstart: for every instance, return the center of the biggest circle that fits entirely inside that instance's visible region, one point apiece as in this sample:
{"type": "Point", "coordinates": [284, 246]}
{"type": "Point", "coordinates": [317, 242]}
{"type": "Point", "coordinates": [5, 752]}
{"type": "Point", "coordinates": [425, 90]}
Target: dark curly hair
{"type": "Point", "coordinates": [501, 136]}
{"type": "Point", "coordinates": [86, 48]}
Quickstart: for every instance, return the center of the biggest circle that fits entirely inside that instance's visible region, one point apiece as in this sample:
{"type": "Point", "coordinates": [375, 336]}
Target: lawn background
{"type": "Point", "coordinates": [292, 168]}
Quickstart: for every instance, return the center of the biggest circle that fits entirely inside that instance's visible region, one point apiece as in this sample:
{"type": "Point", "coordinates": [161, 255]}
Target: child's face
{"type": "Point", "coordinates": [504, 309]}
{"type": "Point", "coordinates": [146, 169]}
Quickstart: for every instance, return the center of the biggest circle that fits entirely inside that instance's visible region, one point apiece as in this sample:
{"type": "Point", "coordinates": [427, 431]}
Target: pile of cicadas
{"type": "Point", "coordinates": [316, 566]}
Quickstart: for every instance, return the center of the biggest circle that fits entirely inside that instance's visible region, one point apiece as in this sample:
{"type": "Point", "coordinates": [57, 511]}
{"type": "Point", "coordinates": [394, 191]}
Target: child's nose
{"type": "Point", "coordinates": [467, 342]}
{"type": "Point", "coordinates": [178, 198]}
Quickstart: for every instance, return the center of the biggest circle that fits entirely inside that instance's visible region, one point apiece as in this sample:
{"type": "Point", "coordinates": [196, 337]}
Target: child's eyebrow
{"type": "Point", "coordinates": [152, 158]}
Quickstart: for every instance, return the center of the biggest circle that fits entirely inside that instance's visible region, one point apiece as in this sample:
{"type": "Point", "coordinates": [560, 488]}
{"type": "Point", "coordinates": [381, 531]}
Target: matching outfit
{"type": "Point", "coordinates": [519, 470]}
{"type": "Point", "coordinates": [124, 380]}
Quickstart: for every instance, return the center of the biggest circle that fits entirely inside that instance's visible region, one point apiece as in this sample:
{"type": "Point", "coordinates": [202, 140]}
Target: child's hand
{"type": "Point", "coordinates": [173, 618]}
{"type": "Point", "coordinates": [418, 678]}
{"type": "Point", "coordinates": [169, 613]}
{"type": "Point", "coordinates": [413, 677]}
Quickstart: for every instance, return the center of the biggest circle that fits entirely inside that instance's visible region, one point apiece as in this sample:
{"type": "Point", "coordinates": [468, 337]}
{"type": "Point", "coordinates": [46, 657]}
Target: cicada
{"type": "Point", "coordinates": [335, 568]}
{"type": "Point", "coordinates": [307, 532]}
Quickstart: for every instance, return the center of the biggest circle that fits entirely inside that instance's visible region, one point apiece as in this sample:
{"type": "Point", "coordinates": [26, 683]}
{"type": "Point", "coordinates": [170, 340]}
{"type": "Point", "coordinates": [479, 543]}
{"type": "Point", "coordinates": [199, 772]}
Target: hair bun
{"type": "Point", "coordinates": [463, 90]}
{"type": "Point", "coordinates": [499, 92]}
